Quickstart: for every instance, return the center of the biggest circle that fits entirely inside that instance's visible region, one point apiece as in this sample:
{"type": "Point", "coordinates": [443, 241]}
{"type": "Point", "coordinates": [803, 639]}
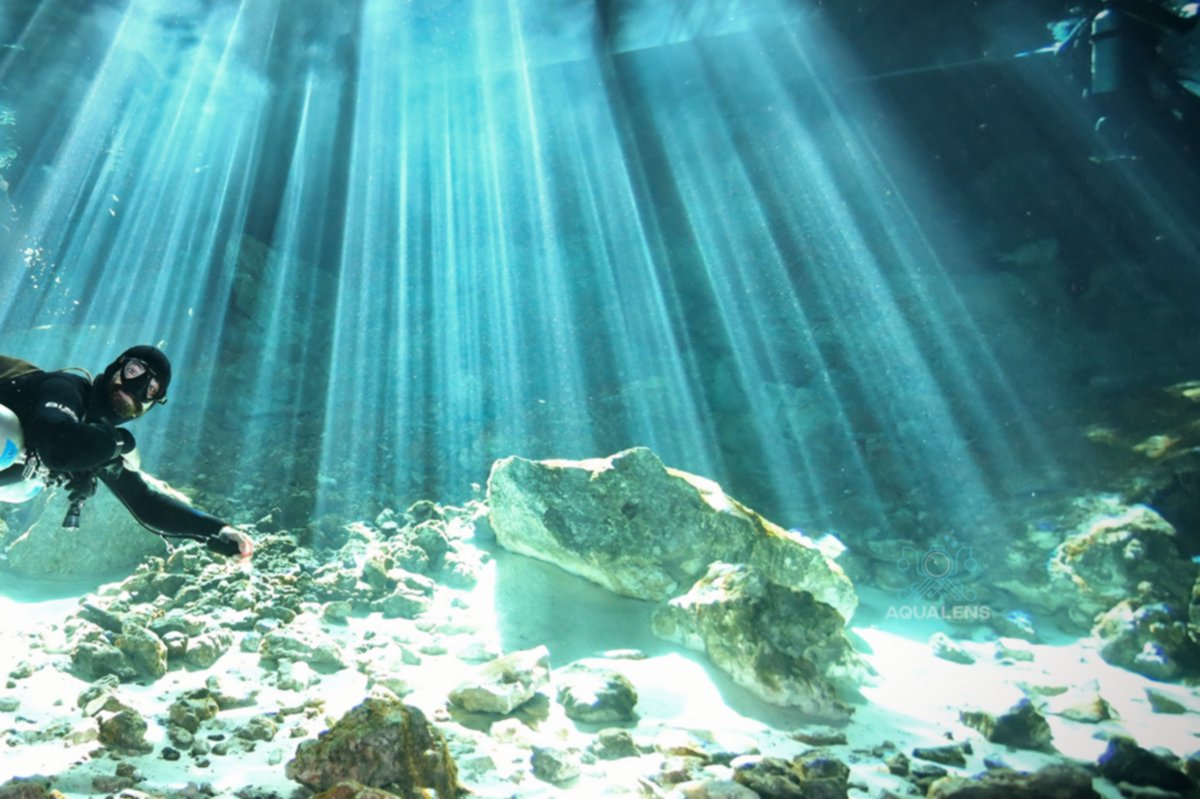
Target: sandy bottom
{"type": "Point", "coordinates": [915, 700]}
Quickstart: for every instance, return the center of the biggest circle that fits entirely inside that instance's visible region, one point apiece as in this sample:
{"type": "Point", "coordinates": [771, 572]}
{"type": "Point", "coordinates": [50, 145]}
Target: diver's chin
{"type": "Point", "coordinates": [124, 406]}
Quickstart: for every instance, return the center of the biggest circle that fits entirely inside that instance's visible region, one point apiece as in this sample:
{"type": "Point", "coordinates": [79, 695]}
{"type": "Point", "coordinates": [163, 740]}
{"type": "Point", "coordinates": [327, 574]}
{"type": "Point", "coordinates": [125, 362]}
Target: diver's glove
{"type": "Point", "coordinates": [231, 541]}
{"type": "Point", "coordinates": [80, 486]}
{"type": "Point", "coordinates": [125, 441]}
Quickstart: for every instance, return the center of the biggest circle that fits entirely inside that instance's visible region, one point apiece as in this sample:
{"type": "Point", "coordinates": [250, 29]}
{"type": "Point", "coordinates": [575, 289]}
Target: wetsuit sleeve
{"type": "Point", "coordinates": [165, 514]}
{"type": "Point", "coordinates": [63, 442]}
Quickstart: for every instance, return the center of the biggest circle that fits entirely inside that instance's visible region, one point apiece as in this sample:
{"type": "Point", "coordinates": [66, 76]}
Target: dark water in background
{"type": "Point", "coordinates": [389, 244]}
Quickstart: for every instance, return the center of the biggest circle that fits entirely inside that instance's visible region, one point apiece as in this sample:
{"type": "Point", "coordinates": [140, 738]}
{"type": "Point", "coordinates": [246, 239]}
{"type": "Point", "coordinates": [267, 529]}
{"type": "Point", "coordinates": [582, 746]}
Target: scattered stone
{"type": "Point", "coordinates": [1083, 704]}
{"type": "Point", "coordinates": [258, 728]}
{"type": "Point", "coordinates": [192, 709]}
{"type": "Point", "coordinates": [595, 695]}
{"type": "Point", "coordinates": [123, 730]}
{"type": "Point", "coordinates": [353, 790]}
{"type": "Point", "coordinates": [1057, 781]}
{"type": "Point", "coordinates": [112, 784]}
{"type": "Point", "coordinates": [947, 755]}
{"type": "Point", "coordinates": [555, 766]}
{"type": "Point", "coordinates": [383, 743]}
{"type": "Point", "coordinates": [296, 675]}
{"type": "Point", "coordinates": [924, 775]}
{"type": "Point", "coordinates": [205, 649]}
{"type": "Point", "coordinates": [1161, 702]}
{"type": "Point", "coordinates": [713, 789]}
{"type": "Point", "coordinates": [302, 644]}
{"type": "Point", "coordinates": [29, 788]}
{"type": "Point", "coordinates": [337, 612]}
{"type": "Point", "coordinates": [820, 736]}
{"type": "Point", "coordinates": [402, 603]}
{"type": "Point", "coordinates": [812, 774]}
{"type": "Point", "coordinates": [9, 704]}
{"type": "Point", "coordinates": [947, 649]}
{"type": "Point", "coordinates": [506, 683]}
{"type": "Point", "coordinates": [676, 770]}
{"type": "Point", "coordinates": [22, 670]}
{"type": "Point", "coordinates": [1021, 727]}
{"type": "Point", "coordinates": [614, 744]}
{"type": "Point", "coordinates": [1014, 649]}
{"type": "Point", "coordinates": [898, 764]}
{"type": "Point", "coordinates": [1125, 761]}
{"type": "Point", "coordinates": [92, 659]}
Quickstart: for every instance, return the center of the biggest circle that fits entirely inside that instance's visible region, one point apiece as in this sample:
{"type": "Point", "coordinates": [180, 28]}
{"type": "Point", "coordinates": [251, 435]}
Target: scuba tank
{"type": "Point", "coordinates": [12, 439]}
{"type": "Point", "coordinates": [12, 449]}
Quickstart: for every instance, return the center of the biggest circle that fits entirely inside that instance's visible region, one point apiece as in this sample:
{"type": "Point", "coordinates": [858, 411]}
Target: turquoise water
{"type": "Point", "coordinates": [390, 243]}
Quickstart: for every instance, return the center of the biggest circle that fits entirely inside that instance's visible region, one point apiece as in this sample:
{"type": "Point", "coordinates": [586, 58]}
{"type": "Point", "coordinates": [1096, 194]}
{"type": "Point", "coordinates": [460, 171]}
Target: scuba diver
{"type": "Point", "coordinates": [60, 428]}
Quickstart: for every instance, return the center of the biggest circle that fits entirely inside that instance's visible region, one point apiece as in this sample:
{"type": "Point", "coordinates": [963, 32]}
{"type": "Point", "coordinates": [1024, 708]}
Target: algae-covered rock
{"type": "Point", "coordinates": [123, 730]}
{"type": "Point", "coordinates": [29, 788]}
{"type": "Point", "coordinates": [1152, 640]}
{"type": "Point", "coordinates": [1057, 781]}
{"type": "Point", "coordinates": [354, 790]}
{"type": "Point", "coordinates": [782, 645]}
{"type": "Point", "coordinates": [1126, 762]}
{"type": "Point", "coordinates": [640, 529]}
{"type": "Point", "coordinates": [145, 650]}
{"type": "Point", "coordinates": [380, 743]}
{"type": "Point", "coordinates": [1119, 553]}
{"type": "Point", "coordinates": [1021, 726]}
{"type": "Point", "coordinates": [812, 774]}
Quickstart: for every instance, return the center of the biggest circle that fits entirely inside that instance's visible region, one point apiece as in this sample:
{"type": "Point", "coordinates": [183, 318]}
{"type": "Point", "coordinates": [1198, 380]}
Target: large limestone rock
{"type": "Point", "coordinates": [764, 603]}
{"type": "Point", "coordinates": [646, 531]}
{"type": "Point", "coordinates": [109, 541]}
{"type": "Point", "coordinates": [380, 744]}
{"type": "Point", "coordinates": [780, 644]}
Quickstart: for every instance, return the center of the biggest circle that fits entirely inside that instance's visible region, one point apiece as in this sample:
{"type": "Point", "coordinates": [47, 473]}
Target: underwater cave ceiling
{"type": "Point", "coordinates": [884, 36]}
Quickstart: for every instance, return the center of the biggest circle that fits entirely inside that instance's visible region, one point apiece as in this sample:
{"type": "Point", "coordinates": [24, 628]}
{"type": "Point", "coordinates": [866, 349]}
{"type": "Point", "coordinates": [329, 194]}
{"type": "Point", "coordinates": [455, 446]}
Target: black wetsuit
{"type": "Point", "coordinates": [64, 419]}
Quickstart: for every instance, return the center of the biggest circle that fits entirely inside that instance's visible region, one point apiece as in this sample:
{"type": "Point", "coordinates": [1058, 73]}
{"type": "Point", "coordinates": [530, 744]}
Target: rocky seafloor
{"type": "Point", "coordinates": [420, 654]}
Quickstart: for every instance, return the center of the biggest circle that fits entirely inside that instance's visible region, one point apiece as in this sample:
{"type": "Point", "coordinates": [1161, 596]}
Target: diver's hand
{"type": "Point", "coordinates": [81, 486]}
{"type": "Point", "coordinates": [125, 441]}
{"type": "Point", "coordinates": [231, 537]}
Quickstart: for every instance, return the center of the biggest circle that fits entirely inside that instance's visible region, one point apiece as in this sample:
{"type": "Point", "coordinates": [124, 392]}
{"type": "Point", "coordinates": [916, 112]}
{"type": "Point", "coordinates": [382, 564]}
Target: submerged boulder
{"type": "Point", "coordinates": [1118, 553]}
{"type": "Point", "coordinates": [640, 529]}
{"type": "Point", "coordinates": [109, 541]}
{"type": "Point", "coordinates": [1152, 640]}
{"type": "Point", "coordinates": [1126, 762]}
{"type": "Point", "coordinates": [765, 604]}
{"type": "Point", "coordinates": [381, 744]}
{"type": "Point", "coordinates": [782, 645]}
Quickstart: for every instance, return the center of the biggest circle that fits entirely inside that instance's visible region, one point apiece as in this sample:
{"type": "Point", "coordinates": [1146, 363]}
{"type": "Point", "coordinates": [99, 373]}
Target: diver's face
{"type": "Point", "coordinates": [134, 389]}
{"type": "Point", "coordinates": [122, 402]}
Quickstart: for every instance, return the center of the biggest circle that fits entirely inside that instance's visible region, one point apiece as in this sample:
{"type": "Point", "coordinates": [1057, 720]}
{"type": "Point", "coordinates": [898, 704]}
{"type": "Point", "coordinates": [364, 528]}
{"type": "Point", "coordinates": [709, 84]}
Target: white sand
{"type": "Point", "coordinates": [520, 604]}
